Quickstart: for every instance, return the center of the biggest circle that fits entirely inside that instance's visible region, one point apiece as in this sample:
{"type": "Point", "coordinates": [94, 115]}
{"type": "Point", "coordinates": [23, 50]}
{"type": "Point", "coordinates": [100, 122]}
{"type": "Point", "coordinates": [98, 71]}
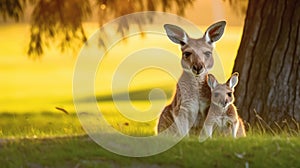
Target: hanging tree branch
{"type": "Point", "coordinates": [12, 9]}
{"type": "Point", "coordinates": [61, 21]}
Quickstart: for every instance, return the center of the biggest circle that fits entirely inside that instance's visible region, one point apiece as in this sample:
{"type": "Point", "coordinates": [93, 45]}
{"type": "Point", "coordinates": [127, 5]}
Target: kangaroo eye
{"type": "Point", "coordinates": [187, 54]}
{"type": "Point", "coordinates": [216, 94]}
{"type": "Point", "coordinates": [207, 54]}
{"type": "Point", "coordinates": [229, 94]}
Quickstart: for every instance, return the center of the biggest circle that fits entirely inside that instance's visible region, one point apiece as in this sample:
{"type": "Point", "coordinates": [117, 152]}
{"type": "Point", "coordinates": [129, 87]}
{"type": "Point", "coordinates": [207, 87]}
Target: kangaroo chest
{"type": "Point", "coordinates": [188, 86]}
{"type": "Point", "coordinates": [204, 94]}
{"type": "Point", "coordinates": [222, 117]}
{"type": "Point", "coordinates": [223, 120]}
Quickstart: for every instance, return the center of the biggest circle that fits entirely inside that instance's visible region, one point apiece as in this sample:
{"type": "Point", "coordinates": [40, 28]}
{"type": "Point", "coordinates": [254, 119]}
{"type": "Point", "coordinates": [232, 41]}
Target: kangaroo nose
{"type": "Point", "coordinates": [197, 68]}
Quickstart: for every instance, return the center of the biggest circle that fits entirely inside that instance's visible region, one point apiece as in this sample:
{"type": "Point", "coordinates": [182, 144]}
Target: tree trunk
{"type": "Point", "coordinates": [268, 62]}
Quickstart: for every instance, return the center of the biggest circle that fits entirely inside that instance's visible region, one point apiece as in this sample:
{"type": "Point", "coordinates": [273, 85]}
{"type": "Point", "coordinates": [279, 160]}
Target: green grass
{"type": "Point", "coordinates": [50, 124]}
{"type": "Point", "coordinates": [45, 124]}
{"type": "Point", "coordinates": [256, 151]}
{"type": "Point", "coordinates": [57, 140]}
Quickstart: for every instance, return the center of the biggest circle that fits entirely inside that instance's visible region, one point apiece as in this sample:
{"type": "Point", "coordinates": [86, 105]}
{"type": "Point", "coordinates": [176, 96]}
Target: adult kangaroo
{"type": "Point", "coordinates": [192, 95]}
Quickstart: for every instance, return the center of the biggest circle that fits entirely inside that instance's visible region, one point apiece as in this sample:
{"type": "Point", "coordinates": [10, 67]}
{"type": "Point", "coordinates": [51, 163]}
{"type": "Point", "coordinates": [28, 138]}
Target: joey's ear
{"type": "Point", "coordinates": [212, 81]}
{"type": "Point", "coordinates": [233, 80]}
{"type": "Point", "coordinates": [176, 34]}
{"type": "Point", "coordinates": [214, 32]}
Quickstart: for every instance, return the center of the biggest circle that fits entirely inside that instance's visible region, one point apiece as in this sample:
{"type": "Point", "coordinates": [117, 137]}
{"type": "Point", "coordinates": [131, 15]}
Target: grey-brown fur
{"type": "Point", "coordinates": [192, 93]}
{"type": "Point", "coordinates": [222, 112]}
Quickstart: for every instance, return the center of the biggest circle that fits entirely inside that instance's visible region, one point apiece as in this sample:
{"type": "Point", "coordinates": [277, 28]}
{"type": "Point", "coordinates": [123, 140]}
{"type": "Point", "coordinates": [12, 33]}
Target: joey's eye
{"type": "Point", "coordinates": [207, 54]}
{"type": "Point", "coordinates": [229, 94]}
{"type": "Point", "coordinates": [216, 94]}
{"type": "Point", "coordinates": [186, 54]}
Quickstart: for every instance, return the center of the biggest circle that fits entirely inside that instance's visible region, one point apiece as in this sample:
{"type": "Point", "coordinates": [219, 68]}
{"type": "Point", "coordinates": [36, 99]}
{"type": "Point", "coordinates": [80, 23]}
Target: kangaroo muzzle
{"type": "Point", "coordinates": [198, 68]}
{"type": "Point", "coordinates": [224, 103]}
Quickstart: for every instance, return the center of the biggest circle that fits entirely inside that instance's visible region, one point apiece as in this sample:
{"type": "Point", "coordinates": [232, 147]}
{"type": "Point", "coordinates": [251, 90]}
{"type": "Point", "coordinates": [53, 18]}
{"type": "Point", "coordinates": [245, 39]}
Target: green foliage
{"type": "Point", "coordinates": [239, 6]}
{"type": "Point", "coordinates": [11, 9]}
{"type": "Point", "coordinates": [57, 19]}
{"type": "Point", "coordinates": [61, 21]}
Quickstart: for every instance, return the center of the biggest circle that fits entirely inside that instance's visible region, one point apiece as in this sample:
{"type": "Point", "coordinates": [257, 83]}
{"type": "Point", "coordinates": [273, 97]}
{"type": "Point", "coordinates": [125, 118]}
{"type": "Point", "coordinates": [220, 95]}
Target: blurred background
{"type": "Point", "coordinates": [39, 50]}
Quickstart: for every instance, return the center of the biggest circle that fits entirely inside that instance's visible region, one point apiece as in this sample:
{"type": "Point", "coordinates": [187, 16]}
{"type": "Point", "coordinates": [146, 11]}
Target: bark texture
{"type": "Point", "coordinates": [268, 62]}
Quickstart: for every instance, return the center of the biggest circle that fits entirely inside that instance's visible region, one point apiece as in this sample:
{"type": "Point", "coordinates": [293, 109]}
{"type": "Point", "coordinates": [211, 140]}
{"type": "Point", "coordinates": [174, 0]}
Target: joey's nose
{"type": "Point", "coordinates": [225, 103]}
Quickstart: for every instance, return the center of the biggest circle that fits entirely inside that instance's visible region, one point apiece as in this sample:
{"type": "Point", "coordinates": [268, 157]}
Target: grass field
{"type": "Point", "coordinates": [58, 140]}
{"type": "Point", "coordinates": [254, 151]}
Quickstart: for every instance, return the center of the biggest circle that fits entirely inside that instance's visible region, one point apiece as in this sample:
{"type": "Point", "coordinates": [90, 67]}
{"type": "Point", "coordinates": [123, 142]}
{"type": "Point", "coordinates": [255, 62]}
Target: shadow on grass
{"type": "Point", "coordinates": [137, 95]}
{"type": "Point", "coordinates": [81, 151]}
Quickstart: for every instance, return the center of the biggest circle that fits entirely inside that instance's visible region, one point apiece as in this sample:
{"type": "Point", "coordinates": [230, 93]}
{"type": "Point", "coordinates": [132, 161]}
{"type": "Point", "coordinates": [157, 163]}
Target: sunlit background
{"type": "Point", "coordinates": [34, 85]}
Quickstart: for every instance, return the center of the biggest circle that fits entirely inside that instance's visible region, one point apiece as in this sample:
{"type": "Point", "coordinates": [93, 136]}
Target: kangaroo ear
{"type": "Point", "coordinates": [233, 80]}
{"type": "Point", "coordinates": [176, 34]}
{"type": "Point", "coordinates": [212, 81]}
{"type": "Point", "coordinates": [214, 32]}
